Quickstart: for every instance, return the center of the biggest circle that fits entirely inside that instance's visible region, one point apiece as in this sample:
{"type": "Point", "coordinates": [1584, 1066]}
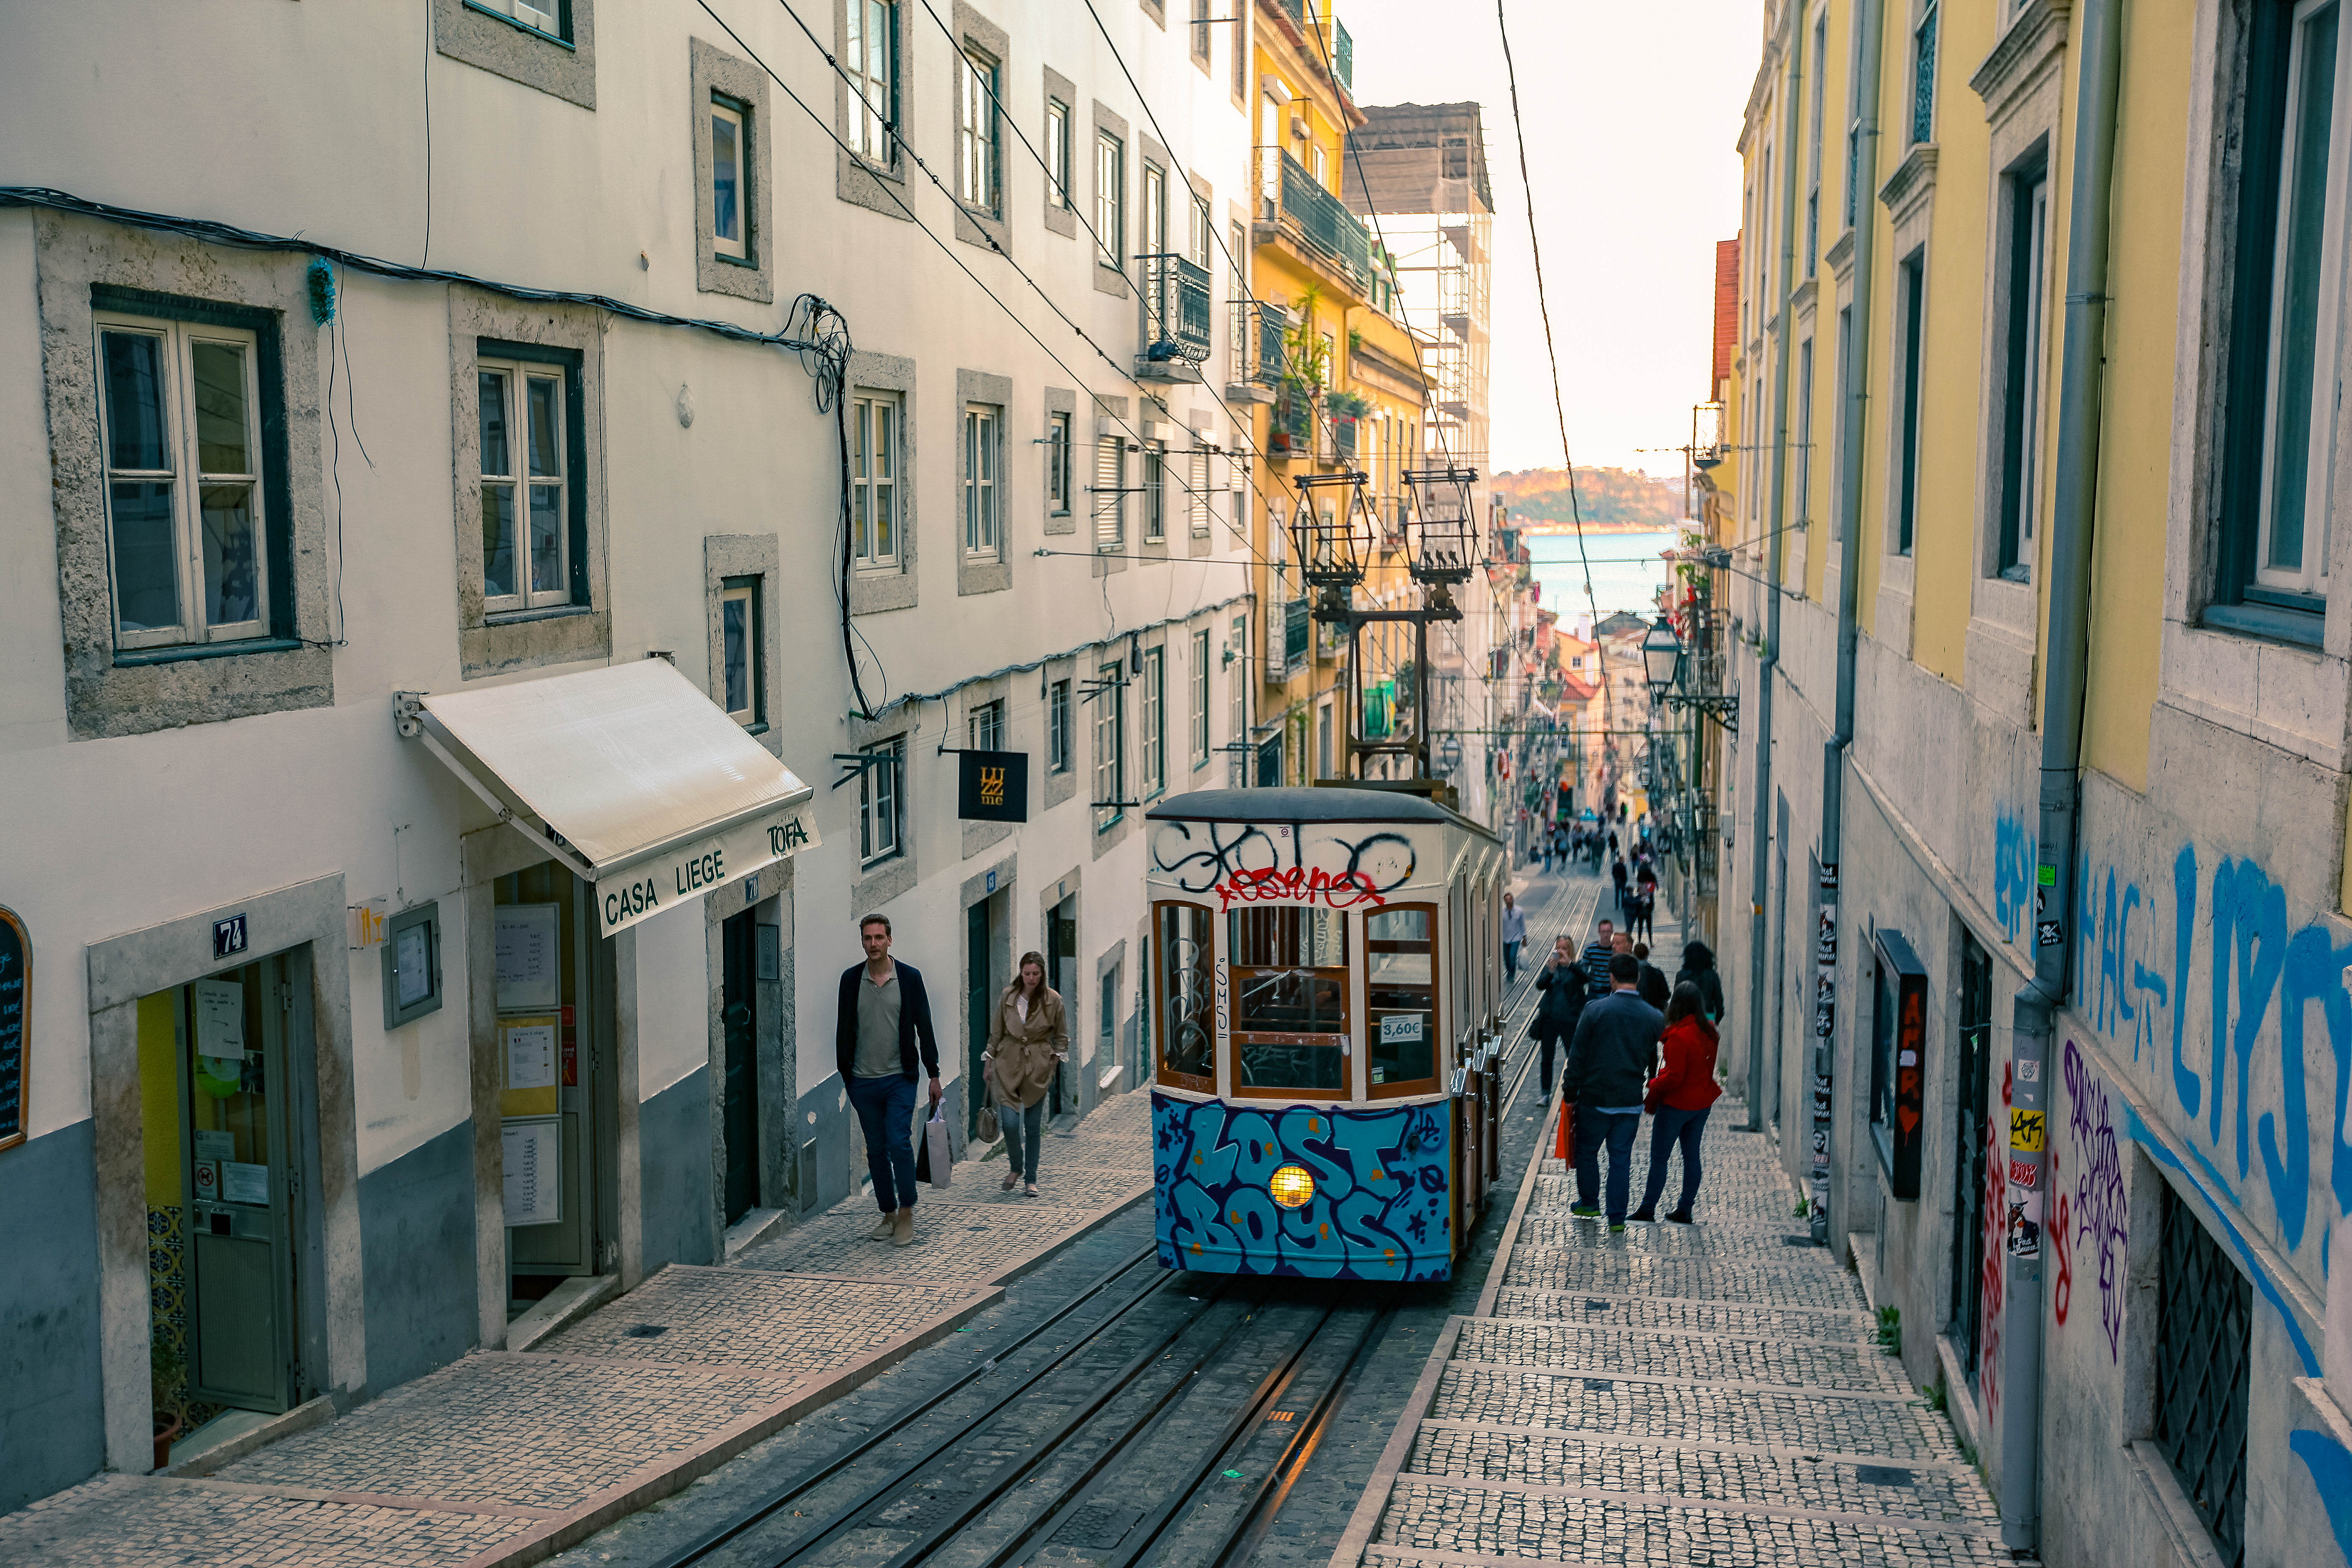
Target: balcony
{"type": "Point", "coordinates": [1288, 635]}
{"type": "Point", "coordinates": [1257, 361]}
{"type": "Point", "coordinates": [1317, 225]}
{"type": "Point", "coordinates": [1177, 313]}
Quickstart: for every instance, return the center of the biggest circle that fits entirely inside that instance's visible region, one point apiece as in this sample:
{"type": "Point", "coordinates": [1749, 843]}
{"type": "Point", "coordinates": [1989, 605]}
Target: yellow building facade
{"type": "Point", "coordinates": [2024, 494]}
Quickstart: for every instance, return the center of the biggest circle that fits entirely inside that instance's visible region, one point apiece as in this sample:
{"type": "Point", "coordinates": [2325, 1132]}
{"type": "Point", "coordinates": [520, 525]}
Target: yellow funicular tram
{"type": "Point", "coordinates": [1327, 1009]}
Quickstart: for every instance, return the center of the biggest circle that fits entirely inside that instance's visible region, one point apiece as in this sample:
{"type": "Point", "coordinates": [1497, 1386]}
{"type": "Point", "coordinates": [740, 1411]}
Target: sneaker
{"type": "Point", "coordinates": [1645, 1216]}
{"type": "Point", "coordinates": [1585, 1211]}
{"type": "Point", "coordinates": [1032, 1190]}
{"type": "Point", "coordinates": [1680, 1216]}
{"type": "Point", "coordinates": [1617, 1227]}
{"type": "Point", "coordinates": [881, 1232]}
{"type": "Point", "coordinates": [902, 1228]}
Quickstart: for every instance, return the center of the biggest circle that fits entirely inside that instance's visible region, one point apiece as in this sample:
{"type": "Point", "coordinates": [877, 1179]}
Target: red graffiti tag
{"type": "Point", "coordinates": [1342, 890]}
{"type": "Point", "coordinates": [2062, 1297]}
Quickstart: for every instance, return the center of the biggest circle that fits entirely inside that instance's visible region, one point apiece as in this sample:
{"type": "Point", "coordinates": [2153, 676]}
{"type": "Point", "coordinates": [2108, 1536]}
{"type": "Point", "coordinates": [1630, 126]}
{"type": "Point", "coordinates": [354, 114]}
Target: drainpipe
{"type": "Point", "coordinates": [2073, 514]}
{"type": "Point", "coordinates": [1793, 96]}
{"type": "Point", "coordinates": [1870, 20]}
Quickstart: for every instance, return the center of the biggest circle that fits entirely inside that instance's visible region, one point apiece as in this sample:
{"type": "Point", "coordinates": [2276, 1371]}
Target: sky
{"type": "Point", "coordinates": [1631, 112]}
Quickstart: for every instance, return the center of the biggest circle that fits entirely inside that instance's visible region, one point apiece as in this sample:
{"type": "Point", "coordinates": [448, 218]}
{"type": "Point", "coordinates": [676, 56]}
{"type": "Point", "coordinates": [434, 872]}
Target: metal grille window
{"type": "Point", "coordinates": [873, 478]}
{"type": "Point", "coordinates": [1057, 727]}
{"type": "Point", "coordinates": [1110, 503]}
{"type": "Point", "coordinates": [979, 480]}
{"type": "Point", "coordinates": [2204, 1310]}
{"type": "Point", "coordinates": [1200, 687]}
{"type": "Point", "coordinates": [1923, 78]}
{"type": "Point", "coordinates": [879, 803]}
{"type": "Point", "coordinates": [1155, 721]}
{"type": "Point", "coordinates": [871, 64]}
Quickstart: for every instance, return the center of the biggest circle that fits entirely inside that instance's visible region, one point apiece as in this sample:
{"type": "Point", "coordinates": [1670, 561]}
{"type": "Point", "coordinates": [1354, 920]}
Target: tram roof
{"type": "Point", "coordinates": [1294, 804]}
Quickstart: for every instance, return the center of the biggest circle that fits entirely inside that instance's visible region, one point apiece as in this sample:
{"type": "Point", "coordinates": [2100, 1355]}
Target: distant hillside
{"type": "Point", "coordinates": [1608, 497]}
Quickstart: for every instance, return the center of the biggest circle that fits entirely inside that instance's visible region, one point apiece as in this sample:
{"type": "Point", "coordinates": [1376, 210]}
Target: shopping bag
{"type": "Point", "coordinates": [1563, 1146]}
{"type": "Point", "coordinates": [940, 1154]}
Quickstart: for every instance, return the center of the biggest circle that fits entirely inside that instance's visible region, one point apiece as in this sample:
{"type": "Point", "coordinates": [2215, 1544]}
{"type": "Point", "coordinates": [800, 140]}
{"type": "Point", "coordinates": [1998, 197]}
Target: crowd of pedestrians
{"type": "Point", "coordinates": [1626, 1040]}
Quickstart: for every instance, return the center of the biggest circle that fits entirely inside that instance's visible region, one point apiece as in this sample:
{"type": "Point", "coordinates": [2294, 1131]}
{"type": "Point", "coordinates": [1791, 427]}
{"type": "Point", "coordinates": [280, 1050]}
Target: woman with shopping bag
{"type": "Point", "coordinates": [1028, 1040]}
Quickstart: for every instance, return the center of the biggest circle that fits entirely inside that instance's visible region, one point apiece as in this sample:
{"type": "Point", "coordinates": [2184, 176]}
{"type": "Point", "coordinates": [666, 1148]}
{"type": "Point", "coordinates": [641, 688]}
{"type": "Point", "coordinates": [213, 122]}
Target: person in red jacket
{"type": "Point", "coordinates": [1679, 1099]}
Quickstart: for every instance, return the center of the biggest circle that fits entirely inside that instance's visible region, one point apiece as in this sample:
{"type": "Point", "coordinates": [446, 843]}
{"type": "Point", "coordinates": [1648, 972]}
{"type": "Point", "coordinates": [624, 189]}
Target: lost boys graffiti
{"type": "Point", "coordinates": [1282, 862]}
{"type": "Point", "coordinates": [2267, 988]}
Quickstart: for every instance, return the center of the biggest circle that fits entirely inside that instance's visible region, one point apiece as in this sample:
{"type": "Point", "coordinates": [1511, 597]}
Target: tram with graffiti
{"type": "Point", "coordinates": [1326, 1019]}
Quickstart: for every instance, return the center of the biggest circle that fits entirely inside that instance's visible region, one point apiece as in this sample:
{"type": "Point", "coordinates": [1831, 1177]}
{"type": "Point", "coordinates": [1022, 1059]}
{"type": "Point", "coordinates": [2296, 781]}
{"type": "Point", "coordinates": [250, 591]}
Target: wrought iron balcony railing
{"type": "Point", "coordinates": [1258, 332]}
{"type": "Point", "coordinates": [1318, 221]}
{"type": "Point", "coordinates": [1177, 309]}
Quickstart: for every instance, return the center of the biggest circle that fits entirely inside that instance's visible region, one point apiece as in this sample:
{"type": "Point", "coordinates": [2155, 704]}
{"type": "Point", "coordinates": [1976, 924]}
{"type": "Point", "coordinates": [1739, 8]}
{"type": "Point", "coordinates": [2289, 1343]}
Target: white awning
{"type": "Point", "coordinates": [628, 774]}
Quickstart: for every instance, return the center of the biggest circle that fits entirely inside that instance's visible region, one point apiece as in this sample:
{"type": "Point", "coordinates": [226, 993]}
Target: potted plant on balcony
{"type": "Point", "coordinates": [169, 1372]}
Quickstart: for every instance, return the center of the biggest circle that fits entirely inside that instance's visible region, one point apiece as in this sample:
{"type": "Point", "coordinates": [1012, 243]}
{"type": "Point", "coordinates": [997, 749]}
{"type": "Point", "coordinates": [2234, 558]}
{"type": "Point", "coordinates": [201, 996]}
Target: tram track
{"type": "Point", "coordinates": [1166, 1430]}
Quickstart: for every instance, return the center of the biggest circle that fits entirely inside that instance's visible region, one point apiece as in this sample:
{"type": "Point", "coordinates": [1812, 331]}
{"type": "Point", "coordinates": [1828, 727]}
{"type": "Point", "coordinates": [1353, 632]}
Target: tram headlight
{"type": "Point", "coordinates": [1291, 1186]}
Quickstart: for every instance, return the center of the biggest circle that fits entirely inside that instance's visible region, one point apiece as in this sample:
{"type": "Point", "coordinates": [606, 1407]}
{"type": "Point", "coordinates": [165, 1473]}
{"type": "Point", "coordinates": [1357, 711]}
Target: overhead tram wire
{"type": "Point", "coordinates": [1551, 353]}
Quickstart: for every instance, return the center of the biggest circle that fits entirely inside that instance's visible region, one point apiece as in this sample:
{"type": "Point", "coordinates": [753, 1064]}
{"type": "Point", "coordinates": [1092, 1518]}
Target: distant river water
{"type": "Point", "coordinates": [1626, 571]}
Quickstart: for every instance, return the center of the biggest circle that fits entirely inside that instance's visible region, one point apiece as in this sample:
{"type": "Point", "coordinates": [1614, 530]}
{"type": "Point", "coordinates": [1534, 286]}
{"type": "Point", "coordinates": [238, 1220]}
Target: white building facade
{"type": "Point", "coordinates": [551, 342]}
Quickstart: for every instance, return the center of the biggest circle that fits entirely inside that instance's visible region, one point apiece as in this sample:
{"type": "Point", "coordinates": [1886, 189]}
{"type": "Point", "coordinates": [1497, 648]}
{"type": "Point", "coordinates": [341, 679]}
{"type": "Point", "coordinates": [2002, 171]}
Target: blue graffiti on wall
{"type": "Point", "coordinates": [2254, 961]}
{"type": "Point", "coordinates": [2012, 876]}
{"type": "Point", "coordinates": [1382, 1208]}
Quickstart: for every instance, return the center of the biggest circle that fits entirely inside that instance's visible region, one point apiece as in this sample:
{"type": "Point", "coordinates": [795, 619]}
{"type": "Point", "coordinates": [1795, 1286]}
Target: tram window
{"type": "Point", "coordinates": [1290, 1001]}
{"type": "Point", "coordinates": [1400, 998]}
{"type": "Point", "coordinates": [1187, 1010]}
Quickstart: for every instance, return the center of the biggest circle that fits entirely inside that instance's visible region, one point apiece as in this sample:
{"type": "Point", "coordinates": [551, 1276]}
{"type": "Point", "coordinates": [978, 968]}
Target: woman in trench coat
{"type": "Point", "coordinates": [1028, 1040]}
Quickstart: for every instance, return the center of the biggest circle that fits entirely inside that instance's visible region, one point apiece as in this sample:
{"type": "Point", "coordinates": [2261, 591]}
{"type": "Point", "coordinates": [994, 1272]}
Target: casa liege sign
{"type": "Point", "coordinates": [683, 872]}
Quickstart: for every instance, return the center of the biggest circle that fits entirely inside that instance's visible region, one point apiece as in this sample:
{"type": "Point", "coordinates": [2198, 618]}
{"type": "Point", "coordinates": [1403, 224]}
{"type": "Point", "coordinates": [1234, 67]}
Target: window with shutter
{"type": "Point", "coordinates": [1110, 506]}
{"type": "Point", "coordinates": [1196, 500]}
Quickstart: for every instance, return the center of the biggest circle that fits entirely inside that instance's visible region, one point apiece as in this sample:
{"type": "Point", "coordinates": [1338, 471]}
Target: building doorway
{"type": "Point", "coordinates": [557, 1120]}
{"type": "Point", "coordinates": [739, 940]}
{"type": "Point", "coordinates": [1062, 974]}
{"type": "Point", "coordinates": [222, 1092]}
{"type": "Point", "coordinates": [1970, 1134]}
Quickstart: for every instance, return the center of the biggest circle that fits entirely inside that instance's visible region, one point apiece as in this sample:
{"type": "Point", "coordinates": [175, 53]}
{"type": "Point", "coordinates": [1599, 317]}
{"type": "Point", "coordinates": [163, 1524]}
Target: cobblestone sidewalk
{"type": "Point", "coordinates": [1695, 1397]}
{"type": "Point", "coordinates": [503, 1458]}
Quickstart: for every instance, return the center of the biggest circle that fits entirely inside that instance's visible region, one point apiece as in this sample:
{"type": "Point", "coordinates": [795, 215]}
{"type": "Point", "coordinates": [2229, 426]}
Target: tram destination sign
{"type": "Point", "coordinates": [15, 1013]}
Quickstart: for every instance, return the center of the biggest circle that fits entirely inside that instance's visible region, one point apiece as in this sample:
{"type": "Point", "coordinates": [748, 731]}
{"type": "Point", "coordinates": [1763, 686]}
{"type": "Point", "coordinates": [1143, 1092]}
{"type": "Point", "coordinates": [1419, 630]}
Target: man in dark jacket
{"type": "Point", "coordinates": [884, 1022]}
{"type": "Point", "coordinates": [1698, 968]}
{"type": "Point", "coordinates": [1610, 1063]}
{"type": "Point", "coordinates": [1653, 984]}
{"type": "Point", "coordinates": [1562, 984]}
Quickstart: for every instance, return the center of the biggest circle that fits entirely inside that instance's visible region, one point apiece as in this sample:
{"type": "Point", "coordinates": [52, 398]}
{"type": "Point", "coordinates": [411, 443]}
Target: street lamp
{"type": "Point", "coordinates": [1662, 657]}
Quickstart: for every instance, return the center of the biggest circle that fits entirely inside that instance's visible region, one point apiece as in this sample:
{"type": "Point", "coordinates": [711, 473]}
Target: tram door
{"type": "Point", "coordinates": [738, 940]}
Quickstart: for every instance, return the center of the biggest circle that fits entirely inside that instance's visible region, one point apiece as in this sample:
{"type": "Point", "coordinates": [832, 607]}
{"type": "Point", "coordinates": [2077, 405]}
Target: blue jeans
{"type": "Point", "coordinates": [1593, 1127]}
{"type": "Point", "coordinates": [1667, 1128]}
{"type": "Point", "coordinates": [1511, 960]}
{"type": "Point", "coordinates": [885, 1112]}
{"type": "Point", "coordinates": [1024, 1132]}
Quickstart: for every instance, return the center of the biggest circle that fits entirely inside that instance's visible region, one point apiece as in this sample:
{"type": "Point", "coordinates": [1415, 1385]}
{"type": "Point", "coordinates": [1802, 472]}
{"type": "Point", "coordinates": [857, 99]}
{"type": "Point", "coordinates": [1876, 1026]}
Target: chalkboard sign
{"type": "Point", "coordinates": [15, 1008]}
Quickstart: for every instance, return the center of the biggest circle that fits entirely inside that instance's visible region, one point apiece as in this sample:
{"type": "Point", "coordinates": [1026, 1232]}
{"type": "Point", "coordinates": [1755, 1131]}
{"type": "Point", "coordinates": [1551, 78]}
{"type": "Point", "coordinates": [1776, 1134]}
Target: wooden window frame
{"type": "Point", "coordinates": [1437, 1008]}
{"type": "Point", "coordinates": [1162, 948]}
{"type": "Point", "coordinates": [1236, 1037]}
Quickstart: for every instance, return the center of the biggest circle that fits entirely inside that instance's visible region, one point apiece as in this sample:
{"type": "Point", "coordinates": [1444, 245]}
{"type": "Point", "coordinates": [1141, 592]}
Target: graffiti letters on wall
{"type": "Point", "coordinates": [1244, 862]}
{"type": "Point", "coordinates": [2094, 1211]}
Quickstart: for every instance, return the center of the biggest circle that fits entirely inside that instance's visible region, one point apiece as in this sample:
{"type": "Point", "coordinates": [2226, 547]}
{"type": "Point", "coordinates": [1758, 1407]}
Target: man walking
{"type": "Point", "coordinates": [1515, 934]}
{"type": "Point", "coordinates": [1596, 960]}
{"type": "Point", "coordinates": [884, 1022]}
{"type": "Point", "coordinates": [1610, 1061]}
{"type": "Point", "coordinates": [1562, 984]}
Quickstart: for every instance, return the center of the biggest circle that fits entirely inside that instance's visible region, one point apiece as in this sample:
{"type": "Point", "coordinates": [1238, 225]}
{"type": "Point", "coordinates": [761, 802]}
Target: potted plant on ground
{"type": "Point", "coordinates": [170, 1375]}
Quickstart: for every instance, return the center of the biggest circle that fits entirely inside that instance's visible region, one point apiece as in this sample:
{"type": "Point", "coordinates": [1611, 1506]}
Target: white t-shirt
{"type": "Point", "coordinates": [1021, 1005]}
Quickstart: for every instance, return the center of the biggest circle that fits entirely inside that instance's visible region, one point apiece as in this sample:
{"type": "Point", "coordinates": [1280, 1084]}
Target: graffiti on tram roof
{"type": "Point", "coordinates": [1244, 862]}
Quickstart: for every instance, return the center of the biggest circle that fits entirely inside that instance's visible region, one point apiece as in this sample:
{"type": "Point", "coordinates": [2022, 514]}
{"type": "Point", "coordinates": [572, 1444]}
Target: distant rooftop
{"type": "Point", "coordinates": [1408, 152]}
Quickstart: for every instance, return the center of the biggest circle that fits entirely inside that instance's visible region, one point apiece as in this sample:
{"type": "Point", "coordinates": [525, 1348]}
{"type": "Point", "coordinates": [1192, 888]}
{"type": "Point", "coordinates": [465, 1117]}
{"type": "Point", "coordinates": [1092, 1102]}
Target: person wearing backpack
{"type": "Point", "coordinates": [1698, 968]}
{"type": "Point", "coordinates": [1028, 1040]}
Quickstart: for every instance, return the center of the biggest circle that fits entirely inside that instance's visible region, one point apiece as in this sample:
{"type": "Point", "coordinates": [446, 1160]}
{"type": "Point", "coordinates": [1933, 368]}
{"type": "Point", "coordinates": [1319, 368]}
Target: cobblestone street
{"type": "Point", "coordinates": [1695, 1396]}
{"type": "Point", "coordinates": [504, 1458]}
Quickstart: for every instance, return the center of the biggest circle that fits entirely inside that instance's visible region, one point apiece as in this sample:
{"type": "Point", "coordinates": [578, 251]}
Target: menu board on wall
{"type": "Point", "coordinates": [15, 1012]}
{"type": "Point", "coordinates": [526, 938]}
